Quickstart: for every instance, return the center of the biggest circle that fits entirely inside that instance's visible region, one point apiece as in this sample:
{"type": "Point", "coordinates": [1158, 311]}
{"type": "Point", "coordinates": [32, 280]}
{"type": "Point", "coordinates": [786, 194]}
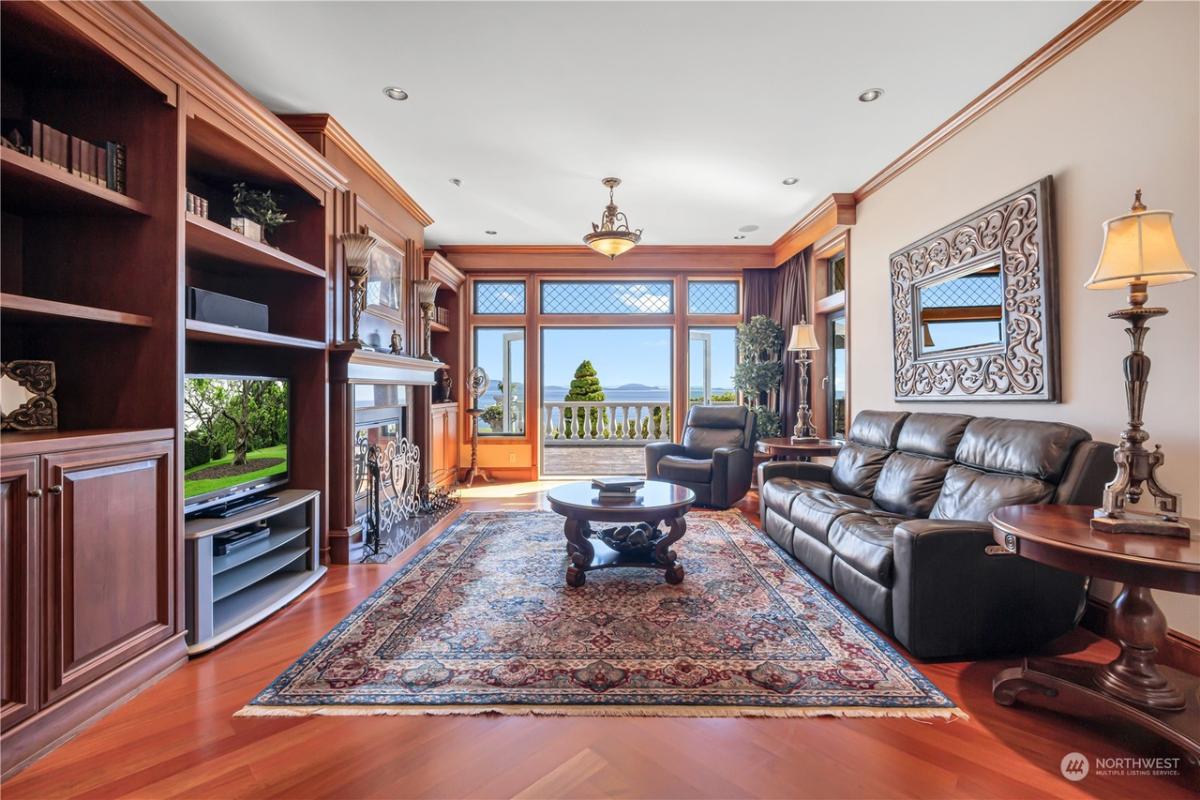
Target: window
{"type": "Point", "coordinates": [836, 375]}
{"type": "Point", "coordinates": [499, 297]}
{"type": "Point", "coordinates": [713, 297]}
{"type": "Point", "coordinates": [837, 273]}
{"type": "Point", "coordinates": [607, 297]}
{"type": "Point", "coordinates": [501, 353]}
{"type": "Point", "coordinates": [712, 356]}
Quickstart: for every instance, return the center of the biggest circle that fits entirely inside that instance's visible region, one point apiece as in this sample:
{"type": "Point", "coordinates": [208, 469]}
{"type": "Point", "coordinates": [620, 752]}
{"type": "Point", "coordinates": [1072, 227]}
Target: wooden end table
{"type": "Point", "coordinates": [782, 447]}
{"type": "Point", "coordinates": [1132, 686]}
{"type": "Point", "coordinates": [639, 542]}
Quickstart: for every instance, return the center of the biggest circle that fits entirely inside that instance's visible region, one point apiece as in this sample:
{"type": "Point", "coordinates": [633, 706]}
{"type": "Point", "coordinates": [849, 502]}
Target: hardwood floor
{"type": "Point", "coordinates": [178, 738]}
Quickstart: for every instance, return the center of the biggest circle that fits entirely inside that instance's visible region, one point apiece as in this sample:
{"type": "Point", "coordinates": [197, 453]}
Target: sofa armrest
{"type": "Point", "coordinates": [656, 451]}
{"type": "Point", "coordinates": [800, 470]}
{"type": "Point", "coordinates": [955, 596]}
{"type": "Point", "coordinates": [732, 469]}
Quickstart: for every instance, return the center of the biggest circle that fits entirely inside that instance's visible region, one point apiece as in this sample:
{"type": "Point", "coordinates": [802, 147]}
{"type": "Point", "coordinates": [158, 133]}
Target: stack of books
{"type": "Point", "coordinates": [102, 164]}
{"type": "Point", "coordinates": [618, 490]}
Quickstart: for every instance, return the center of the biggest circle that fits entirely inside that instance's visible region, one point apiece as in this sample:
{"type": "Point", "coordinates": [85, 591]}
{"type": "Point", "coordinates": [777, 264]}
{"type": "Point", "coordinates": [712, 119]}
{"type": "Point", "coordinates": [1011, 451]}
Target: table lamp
{"type": "Point", "coordinates": [804, 341]}
{"type": "Point", "coordinates": [1139, 251]}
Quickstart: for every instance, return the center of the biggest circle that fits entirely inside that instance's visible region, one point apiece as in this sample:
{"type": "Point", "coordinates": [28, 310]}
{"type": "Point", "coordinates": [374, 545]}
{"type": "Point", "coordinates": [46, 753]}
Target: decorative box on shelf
{"type": "Point", "coordinates": [246, 227]}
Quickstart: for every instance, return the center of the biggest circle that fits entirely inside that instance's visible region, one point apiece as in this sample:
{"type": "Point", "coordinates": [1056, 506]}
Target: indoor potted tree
{"type": "Point", "coordinates": [759, 370]}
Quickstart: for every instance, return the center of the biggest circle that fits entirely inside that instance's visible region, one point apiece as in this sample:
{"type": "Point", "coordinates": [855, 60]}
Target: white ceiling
{"type": "Point", "coordinates": [701, 108]}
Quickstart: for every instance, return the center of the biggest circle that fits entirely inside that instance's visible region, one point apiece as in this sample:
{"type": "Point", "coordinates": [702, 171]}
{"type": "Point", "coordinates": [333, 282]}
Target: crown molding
{"type": "Point", "coordinates": [526, 258]}
{"type": "Point", "coordinates": [326, 125]}
{"type": "Point", "coordinates": [1094, 20]}
{"type": "Point", "coordinates": [836, 209]}
{"type": "Point", "coordinates": [439, 268]}
{"type": "Point", "coordinates": [146, 39]}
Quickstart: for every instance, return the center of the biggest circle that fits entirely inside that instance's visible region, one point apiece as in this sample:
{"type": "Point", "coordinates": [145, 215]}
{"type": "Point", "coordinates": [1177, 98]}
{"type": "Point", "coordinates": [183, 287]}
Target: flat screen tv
{"type": "Point", "coordinates": [235, 437]}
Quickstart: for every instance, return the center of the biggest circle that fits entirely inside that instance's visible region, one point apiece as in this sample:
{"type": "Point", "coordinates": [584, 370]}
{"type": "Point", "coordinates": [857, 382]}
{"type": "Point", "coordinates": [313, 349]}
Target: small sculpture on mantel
{"type": "Point", "coordinates": [397, 346]}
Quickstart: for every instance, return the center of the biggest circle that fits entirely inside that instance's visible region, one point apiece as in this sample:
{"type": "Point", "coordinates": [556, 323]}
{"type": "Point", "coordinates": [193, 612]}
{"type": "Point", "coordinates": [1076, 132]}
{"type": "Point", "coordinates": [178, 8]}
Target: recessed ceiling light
{"type": "Point", "coordinates": [748, 228]}
{"type": "Point", "coordinates": [790, 181]}
{"type": "Point", "coordinates": [395, 93]}
{"type": "Point", "coordinates": [490, 233]}
{"type": "Point", "coordinates": [740, 236]}
{"type": "Point", "coordinates": [870, 95]}
{"type": "Point", "coordinates": [456, 181]}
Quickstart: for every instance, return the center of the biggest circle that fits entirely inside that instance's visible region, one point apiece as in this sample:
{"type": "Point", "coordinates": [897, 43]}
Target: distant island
{"type": "Point", "coordinates": [632, 386]}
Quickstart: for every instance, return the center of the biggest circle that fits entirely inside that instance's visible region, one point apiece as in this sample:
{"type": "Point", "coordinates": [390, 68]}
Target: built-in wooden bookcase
{"type": "Point", "coordinates": [87, 272]}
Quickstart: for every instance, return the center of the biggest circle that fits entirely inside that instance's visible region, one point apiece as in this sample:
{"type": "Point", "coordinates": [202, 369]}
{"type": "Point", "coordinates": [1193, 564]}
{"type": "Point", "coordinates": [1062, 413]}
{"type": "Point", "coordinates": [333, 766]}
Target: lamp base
{"type": "Point", "coordinates": [1134, 522]}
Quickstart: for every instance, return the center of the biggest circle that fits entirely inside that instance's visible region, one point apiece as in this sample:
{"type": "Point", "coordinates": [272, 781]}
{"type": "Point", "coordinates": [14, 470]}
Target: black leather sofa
{"type": "Point", "coordinates": [898, 526]}
{"type": "Point", "coordinates": [714, 460]}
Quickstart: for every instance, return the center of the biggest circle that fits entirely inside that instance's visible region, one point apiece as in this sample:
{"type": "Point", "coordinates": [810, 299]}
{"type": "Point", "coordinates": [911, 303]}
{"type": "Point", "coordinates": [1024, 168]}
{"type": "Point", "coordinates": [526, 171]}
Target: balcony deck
{"type": "Point", "coordinates": [593, 461]}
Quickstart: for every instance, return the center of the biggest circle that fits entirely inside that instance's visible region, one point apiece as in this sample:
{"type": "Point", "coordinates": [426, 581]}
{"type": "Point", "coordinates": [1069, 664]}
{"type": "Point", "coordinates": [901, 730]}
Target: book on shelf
{"type": "Point", "coordinates": [101, 164]}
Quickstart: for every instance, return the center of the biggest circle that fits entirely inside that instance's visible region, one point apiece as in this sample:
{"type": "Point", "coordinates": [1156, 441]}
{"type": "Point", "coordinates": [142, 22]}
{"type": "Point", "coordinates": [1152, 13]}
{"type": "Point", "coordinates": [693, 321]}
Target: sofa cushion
{"type": "Point", "coordinates": [814, 510]}
{"type": "Point", "coordinates": [778, 493]}
{"type": "Point", "coordinates": [864, 541]}
{"type": "Point", "coordinates": [973, 494]}
{"type": "Point", "coordinates": [682, 468]}
{"type": "Point", "coordinates": [935, 435]}
{"type": "Point", "coordinates": [871, 440]}
{"type": "Point", "coordinates": [910, 484]}
{"type": "Point", "coordinates": [1020, 447]}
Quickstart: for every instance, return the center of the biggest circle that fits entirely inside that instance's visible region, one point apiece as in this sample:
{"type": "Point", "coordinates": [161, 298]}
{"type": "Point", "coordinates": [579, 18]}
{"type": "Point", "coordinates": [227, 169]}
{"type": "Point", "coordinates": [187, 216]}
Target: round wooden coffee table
{"type": "Point", "coordinates": [1132, 686]}
{"type": "Point", "coordinates": [781, 447]}
{"type": "Point", "coordinates": [637, 542]}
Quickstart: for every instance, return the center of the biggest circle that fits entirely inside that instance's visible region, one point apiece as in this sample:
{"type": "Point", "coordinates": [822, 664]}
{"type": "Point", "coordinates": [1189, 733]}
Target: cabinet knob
{"type": "Point", "coordinates": [35, 492]}
{"type": "Point", "coordinates": [55, 489]}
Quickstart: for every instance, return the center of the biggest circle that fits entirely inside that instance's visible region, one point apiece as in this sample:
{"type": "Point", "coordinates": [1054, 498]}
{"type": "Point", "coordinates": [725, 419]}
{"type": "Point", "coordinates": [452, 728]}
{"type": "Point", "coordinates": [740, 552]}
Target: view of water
{"type": "Point", "coordinates": [642, 394]}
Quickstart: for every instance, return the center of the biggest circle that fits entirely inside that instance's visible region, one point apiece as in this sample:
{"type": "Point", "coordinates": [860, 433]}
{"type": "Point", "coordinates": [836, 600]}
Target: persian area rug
{"type": "Point", "coordinates": [482, 621]}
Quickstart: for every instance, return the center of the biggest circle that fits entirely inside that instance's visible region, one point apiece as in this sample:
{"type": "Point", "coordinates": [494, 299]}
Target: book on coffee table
{"type": "Point", "coordinates": [623, 483]}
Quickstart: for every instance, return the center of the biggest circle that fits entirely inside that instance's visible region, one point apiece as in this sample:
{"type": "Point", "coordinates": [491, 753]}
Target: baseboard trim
{"type": "Point", "coordinates": [1180, 651]}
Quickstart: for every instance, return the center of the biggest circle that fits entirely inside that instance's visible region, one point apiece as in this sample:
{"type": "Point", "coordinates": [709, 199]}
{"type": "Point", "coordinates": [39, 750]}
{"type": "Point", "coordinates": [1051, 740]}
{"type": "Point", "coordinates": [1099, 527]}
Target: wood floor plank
{"type": "Point", "coordinates": [179, 737]}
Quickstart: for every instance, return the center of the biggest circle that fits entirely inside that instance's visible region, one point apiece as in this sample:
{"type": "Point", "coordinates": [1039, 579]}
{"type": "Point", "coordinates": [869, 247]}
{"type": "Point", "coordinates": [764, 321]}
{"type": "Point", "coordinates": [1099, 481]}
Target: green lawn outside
{"type": "Point", "coordinates": [193, 488]}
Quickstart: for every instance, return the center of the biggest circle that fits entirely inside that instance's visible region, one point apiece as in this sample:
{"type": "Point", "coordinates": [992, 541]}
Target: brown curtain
{"type": "Point", "coordinates": [789, 306]}
{"type": "Point", "coordinates": [758, 285]}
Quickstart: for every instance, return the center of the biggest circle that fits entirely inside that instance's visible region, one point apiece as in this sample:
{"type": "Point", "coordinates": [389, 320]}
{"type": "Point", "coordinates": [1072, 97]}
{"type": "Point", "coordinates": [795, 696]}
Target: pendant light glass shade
{"type": "Point", "coordinates": [612, 236]}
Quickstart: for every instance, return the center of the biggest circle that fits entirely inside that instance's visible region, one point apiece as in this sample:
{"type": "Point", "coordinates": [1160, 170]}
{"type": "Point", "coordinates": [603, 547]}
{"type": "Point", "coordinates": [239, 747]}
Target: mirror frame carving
{"type": "Point", "coordinates": [1019, 231]}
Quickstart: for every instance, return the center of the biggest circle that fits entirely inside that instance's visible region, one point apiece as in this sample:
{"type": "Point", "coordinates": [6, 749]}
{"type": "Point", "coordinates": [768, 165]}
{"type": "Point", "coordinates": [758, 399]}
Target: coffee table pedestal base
{"type": "Point", "coordinates": [587, 554]}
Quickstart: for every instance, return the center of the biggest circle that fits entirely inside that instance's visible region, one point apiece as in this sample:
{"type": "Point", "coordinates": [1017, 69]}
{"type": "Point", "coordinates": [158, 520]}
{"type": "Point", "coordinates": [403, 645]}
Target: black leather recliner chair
{"type": "Point", "coordinates": [714, 460]}
{"type": "Point", "coordinates": [898, 526]}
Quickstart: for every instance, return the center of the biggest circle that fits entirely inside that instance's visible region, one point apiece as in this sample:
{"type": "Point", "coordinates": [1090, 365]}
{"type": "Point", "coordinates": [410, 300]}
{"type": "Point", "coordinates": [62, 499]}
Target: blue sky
{"type": "Point", "coordinates": [620, 355]}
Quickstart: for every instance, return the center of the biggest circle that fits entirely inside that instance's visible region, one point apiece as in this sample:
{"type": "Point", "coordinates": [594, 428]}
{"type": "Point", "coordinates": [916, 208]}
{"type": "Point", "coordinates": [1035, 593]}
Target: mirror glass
{"type": "Point", "coordinates": [963, 311]}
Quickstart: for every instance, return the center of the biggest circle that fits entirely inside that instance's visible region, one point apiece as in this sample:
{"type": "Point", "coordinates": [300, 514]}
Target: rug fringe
{"type": "Point", "coordinates": [944, 714]}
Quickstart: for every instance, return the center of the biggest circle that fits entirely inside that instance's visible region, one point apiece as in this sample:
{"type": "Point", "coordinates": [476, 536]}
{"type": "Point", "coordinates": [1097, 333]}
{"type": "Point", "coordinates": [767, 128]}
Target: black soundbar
{"type": "Point", "coordinates": [222, 309]}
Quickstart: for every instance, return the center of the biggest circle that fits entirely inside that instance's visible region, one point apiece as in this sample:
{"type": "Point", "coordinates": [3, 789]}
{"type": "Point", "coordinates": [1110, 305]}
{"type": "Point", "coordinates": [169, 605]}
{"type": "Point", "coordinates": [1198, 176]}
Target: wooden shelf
{"type": "Point", "coordinates": [438, 327]}
{"type": "Point", "coordinates": [34, 186]}
{"type": "Point", "coordinates": [212, 332]}
{"type": "Point", "coordinates": [207, 237]}
{"type": "Point", "coordinates": [25, 443]}
{"type": "Point", "coordinates": [22, 307]}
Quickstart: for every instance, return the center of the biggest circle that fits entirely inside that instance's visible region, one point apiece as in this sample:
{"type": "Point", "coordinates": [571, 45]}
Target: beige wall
{"type": "Point", "coordinates": [1118, 113]}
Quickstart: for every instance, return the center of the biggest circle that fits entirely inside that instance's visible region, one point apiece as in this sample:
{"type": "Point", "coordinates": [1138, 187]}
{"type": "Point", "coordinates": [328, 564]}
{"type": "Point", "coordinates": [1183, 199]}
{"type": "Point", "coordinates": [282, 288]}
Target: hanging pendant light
{"type": "Point", "coordinates": [613, 235]}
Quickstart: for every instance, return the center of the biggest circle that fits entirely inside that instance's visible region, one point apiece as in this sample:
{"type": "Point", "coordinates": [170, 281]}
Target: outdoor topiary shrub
{"type": "Point", "coordinates": [585, 388]}
{"type": "Point", "coordinates": [759, 370]}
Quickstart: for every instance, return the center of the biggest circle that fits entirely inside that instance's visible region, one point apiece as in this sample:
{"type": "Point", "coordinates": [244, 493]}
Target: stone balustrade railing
{"type": "Point", "coordinates": [593, 423]}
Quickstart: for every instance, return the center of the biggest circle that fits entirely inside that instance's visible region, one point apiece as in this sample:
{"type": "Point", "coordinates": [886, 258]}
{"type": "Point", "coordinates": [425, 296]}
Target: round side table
{"type": "Point", "coordinates": [1132, 686]}
{"type": "Point", "coordinates": [782, 447]}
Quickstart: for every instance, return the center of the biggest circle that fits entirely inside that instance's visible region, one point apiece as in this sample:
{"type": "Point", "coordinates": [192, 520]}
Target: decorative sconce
{"type": "Point", "coordinates": [357, 248]}
{"type": "Point", "coordinates": [426, 292]}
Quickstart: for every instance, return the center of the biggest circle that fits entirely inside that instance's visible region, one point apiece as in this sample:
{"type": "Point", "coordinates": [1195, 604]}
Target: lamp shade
{"type": "Point", "coordinates": [611, 243]}
{"type": "Point", "coordinates": [1139, 247]}
{"type": "Point", "coordinates": [426, 291]}
{"type": "Point", "coordinates": [357, 247]}
{"type": "Point", "coordinates": [804, 337]}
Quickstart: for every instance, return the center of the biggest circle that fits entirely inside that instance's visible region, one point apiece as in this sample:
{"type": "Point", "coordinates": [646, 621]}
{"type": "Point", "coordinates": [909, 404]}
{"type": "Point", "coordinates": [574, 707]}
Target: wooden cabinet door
{"type": "Point", "coordinates": [111, 559]}
{"type": "Point", "coordinates": [19, 576]}
{"type": "Point", "coordinates": [451, 457]}
{"type": "Point", "coordinates": [437, 443]}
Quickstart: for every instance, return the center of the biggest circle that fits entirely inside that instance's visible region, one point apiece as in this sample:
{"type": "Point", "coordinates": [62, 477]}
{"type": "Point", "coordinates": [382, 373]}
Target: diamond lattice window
{"type": "Point", "coordinates": [606, 297]}
{"type": "Point", "coordinates": [500, 297]}
{"type": "Point", "coordinates": [712, 297]}
{"type": "Point", "coordinates": [968, 291]}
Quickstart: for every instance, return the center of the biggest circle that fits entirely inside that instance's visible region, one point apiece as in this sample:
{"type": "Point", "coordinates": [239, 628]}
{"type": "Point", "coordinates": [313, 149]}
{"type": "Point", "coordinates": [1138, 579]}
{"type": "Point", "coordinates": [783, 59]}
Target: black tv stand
{"type": "Point", "coordinates": [235, 507]}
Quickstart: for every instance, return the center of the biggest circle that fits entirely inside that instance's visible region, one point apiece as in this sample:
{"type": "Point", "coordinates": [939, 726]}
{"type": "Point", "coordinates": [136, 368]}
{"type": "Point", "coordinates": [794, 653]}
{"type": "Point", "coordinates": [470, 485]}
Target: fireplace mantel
{"type": "Point", "coordinates": [352, 364]}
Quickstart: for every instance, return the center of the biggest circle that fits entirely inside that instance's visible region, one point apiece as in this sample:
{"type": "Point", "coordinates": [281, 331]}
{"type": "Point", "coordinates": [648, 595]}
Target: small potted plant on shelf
{"type": "Point", "coordinates": [257, 213]}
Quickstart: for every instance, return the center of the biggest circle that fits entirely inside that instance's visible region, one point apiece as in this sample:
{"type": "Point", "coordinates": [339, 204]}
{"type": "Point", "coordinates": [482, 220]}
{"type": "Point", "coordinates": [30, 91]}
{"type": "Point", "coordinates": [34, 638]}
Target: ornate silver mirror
{"type": "Point", "coordinates": [973, 306]}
